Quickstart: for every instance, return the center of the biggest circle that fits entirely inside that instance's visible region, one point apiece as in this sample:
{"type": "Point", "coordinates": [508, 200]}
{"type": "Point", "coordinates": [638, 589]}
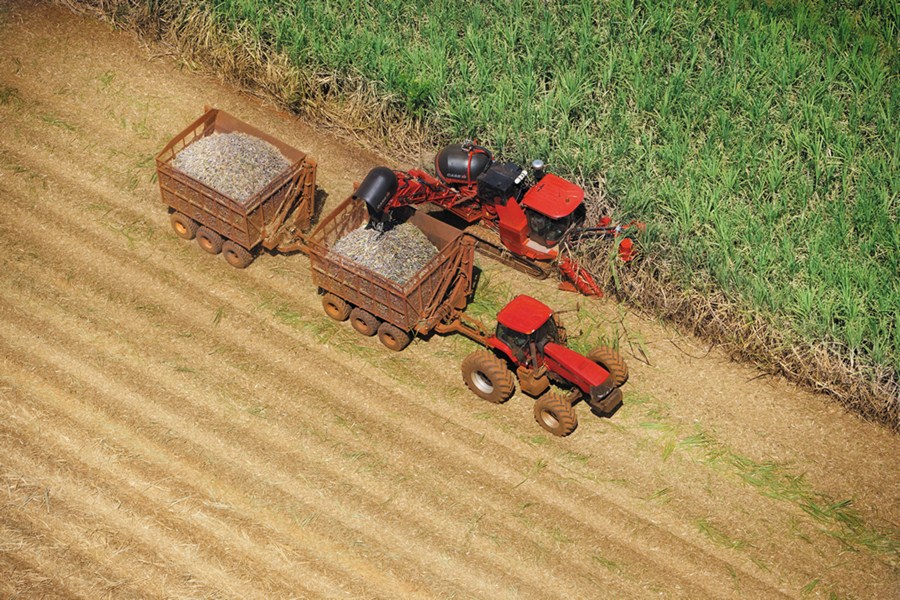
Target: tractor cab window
{"type": "Point", "coordinates": [518, 342]}
{"type": "Point", "coordinates": [548, 231]}
{"type": "Point", "coordinates": [546, 333]}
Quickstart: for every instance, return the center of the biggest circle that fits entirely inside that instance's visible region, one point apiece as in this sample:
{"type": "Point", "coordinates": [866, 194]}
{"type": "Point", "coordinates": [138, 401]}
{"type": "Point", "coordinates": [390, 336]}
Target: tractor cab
{"type": "Point", "coordinates": [552, 207]}
{"type": "Point", "coordinates": [526, 325]}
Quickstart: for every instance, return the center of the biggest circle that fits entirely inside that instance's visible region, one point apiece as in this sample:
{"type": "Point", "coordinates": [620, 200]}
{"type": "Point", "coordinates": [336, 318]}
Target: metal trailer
{"type": "Point", "coordinates": [274, 218]}
{"type": "Point", "coordinates": [431, 299]}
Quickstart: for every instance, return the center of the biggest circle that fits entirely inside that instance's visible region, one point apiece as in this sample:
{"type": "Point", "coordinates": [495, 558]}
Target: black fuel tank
{"type": "Point", "coordinates": [461, 164]}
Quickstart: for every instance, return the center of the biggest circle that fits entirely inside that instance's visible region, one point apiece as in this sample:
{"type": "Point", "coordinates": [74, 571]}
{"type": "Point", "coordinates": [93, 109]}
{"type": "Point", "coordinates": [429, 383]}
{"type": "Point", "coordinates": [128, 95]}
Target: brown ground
{"type": "Point", "coordinates": [173, 427]}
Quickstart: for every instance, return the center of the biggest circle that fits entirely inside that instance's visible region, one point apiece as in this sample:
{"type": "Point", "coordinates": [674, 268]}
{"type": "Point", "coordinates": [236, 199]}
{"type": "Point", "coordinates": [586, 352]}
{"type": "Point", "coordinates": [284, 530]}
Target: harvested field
{"type": "Point", "coordinates": [173, 427]}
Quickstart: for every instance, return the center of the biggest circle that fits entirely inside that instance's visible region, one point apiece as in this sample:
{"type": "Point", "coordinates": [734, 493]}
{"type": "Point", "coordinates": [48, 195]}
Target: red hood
{"type": "Point", "coordinates": [575, 367]}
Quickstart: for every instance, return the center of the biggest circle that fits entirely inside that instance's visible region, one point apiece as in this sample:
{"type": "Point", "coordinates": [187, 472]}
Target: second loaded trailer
{"type": "Point", "coordinates": [436, 294]}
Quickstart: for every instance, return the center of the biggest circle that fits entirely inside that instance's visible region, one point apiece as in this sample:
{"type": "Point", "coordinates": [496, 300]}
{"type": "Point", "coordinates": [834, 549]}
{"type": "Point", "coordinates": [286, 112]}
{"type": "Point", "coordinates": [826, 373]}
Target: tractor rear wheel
{"type": "Point", "coordinates": [611, 361]}
{"type": "Point", "coordinates": [184, 226]}
{"type": "Point", "coordinates": [209, 240]}
{"type": "Point", "coordinates": [336, 307]}
{"type": "Point", "coordinates": [488, 377]}
{"type": "Point", "coordinates": [393, 337]}
{"type": "Point", "coordinates": [554, 413]}
{"type": "Point", "coordinates": [364, 322]}
{"type": "Point", "coordinates": [236, 255]}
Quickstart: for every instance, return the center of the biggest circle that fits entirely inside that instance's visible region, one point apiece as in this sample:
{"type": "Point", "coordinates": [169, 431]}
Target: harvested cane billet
{"type": "Point", "coordinates": [236, 164]}
{"type": "Point", "coordinates": [397, 254]}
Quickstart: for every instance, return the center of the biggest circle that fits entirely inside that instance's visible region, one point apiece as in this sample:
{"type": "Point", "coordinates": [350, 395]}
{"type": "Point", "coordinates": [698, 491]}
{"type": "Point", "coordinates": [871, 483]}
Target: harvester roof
{"type": "Point", "coordinates": [524, 314]}
{"type": "Point", "coordinates": [554, 197]}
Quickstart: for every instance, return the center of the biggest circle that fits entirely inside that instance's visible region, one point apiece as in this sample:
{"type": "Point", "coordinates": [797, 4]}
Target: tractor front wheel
{"type": "Point", "coordinates": [554, 413]}
{"type": "Point", "coordinates": [488, 377]}
{"type": "Point", "coordinates": [611, 361]}
{"type": "Point", "coordinates": [364, 322]}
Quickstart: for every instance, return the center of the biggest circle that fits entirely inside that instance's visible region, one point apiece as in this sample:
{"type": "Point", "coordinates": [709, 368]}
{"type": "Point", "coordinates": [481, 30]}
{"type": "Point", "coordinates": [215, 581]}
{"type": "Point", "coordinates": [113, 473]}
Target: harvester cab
{"type": "Point", "coordinates": [532, 211]}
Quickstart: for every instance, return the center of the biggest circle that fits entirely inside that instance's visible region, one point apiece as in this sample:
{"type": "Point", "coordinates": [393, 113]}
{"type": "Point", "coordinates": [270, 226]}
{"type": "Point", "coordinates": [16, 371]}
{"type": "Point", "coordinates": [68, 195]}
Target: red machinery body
{"type": "Point", "coordinates": [527, 335]}
{"type": "Point", "coordinates": [532, 216]}
{"type": "Point", "coordinates": [529, 345]}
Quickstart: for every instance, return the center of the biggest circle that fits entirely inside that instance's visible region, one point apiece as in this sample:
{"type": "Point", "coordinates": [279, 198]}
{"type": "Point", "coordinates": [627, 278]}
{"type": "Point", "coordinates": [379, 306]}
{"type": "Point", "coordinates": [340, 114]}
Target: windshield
{"type": "Point", "coordinates": [546, 333]}
{"type": "Point", "coordinates": [549, 232]}
{"type": "Point", "coordinates": [520, 343]}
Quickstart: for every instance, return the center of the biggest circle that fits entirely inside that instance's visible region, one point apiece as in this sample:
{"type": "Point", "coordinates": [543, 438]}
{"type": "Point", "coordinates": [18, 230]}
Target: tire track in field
{"type": "Point", "coordinates": [82, 497]}
{"type": "Point", "coordinates": [60, 545]}
{"type": "Point", "coordinates": [158, 499]}
{"type": "Point", "coordinates": [84, 422]}
{"type": "Point", "coordinates": [81, 351]}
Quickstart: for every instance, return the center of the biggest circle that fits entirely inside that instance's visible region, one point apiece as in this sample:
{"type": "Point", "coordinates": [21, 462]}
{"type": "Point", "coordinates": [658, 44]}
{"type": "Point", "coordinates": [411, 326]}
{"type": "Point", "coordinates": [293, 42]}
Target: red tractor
{"type": "Point", "coordinates": [522, 219]}
{"type": "Point", "coordinates": [531, 341]}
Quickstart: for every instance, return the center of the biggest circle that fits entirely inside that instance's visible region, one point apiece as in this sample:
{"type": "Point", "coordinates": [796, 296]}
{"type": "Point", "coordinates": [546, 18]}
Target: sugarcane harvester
{"type": "Point", "coordinates": [525, 220]}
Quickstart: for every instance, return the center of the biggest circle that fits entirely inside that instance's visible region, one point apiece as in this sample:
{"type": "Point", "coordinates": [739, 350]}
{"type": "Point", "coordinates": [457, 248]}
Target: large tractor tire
{"type": "Point", "coordinates": [612, 361]}
{"type": "Point", "coordinates": [184, 226]}
{"type": "Point", "coordinates": [488, 377]}
{"type": "Point", "coordinates": [554, 412]}
{"type": "Point", "coordinates": [236, 255]}
{"type": "Point", "coordinates": [336, 307]}
{"type": "Point", "coordinates": [209, 240]}
{"type": "Point", "coordinates": [364, 322]}
{"type": "Point", "coordinates": [393, 337]}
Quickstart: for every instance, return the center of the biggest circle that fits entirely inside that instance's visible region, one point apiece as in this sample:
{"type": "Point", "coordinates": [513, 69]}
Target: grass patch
{"type": "Point", "coordinates": [9, 96]}
{"type": "Point", "coordinates": [718, 536]}
{"type": "Point", "coordinates": [840, 520]}
{"type": "Point", "coordinates": [58, 122]}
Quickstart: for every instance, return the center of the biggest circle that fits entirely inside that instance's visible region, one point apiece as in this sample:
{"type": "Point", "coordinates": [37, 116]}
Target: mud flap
{"type": "Point", "coordinates": [605, 407]}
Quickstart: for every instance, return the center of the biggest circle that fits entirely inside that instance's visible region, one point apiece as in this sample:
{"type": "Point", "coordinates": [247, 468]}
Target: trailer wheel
{"type": "Point", "coordinates": [236, 255]}
{"type": "Point", "coordinates": [209, 240]}
{"type": "Point", "coordinates": [612, 361]}
{"type": "Point", "coordinates": [393, 337]}
{"type": "Point", "coordinates": [335, 307]}
{"type": "Point", "coordinates": [364, 322]}
{"type": "Point", "coordinates": [488, 377]}
{"type": "Point", "coordinates": [554, 413]}
{"type": "Point", "coordinates": [184, 226]}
